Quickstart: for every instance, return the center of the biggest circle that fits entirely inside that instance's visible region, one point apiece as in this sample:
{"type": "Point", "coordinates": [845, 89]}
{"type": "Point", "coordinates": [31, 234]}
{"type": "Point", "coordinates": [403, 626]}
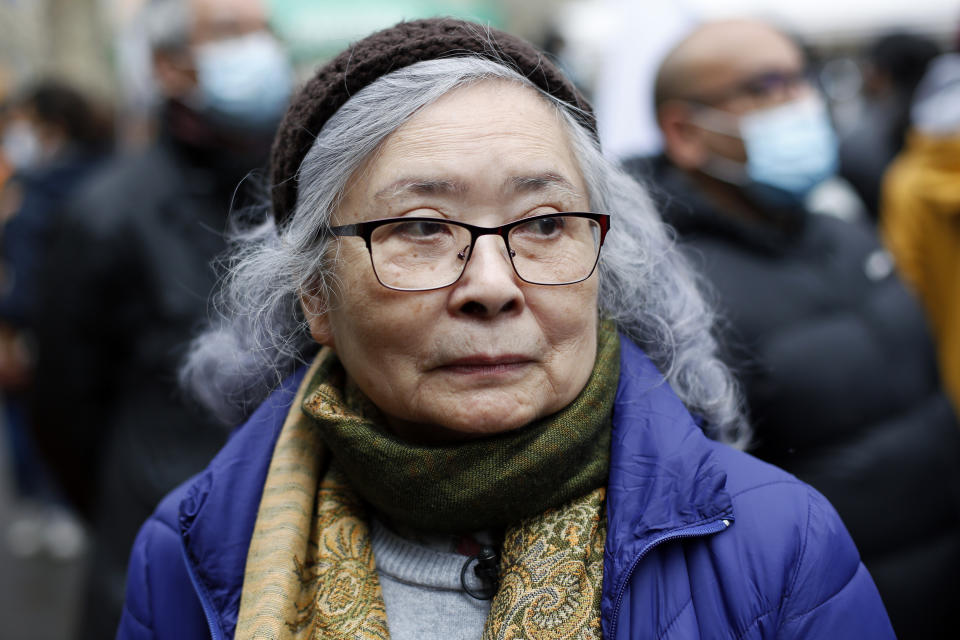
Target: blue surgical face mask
{"type": "Point", "coordinates": [244, 81]}
{"type": "Point", "coordinates": [791, 148]}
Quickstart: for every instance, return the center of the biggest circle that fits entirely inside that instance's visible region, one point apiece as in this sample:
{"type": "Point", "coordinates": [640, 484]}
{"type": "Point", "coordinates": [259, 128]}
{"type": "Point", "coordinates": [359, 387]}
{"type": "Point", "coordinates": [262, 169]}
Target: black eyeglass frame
{"type": "Point", "coordinates": [365, 230]}
{"type": "Point", "coordinates": [758, 87]}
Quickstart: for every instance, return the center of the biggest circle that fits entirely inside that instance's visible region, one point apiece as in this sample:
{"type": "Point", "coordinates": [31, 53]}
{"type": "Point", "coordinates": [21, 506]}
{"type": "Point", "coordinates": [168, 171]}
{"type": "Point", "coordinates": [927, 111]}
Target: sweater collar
{"type": "Point", "coordinates": [662, 478]}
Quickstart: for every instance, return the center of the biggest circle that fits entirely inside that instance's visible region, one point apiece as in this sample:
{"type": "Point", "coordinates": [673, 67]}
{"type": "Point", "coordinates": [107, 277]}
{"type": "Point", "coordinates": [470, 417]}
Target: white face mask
{"type": "Point", "coordinates": [790, 148]}
{"type": "Point", "coordinates": [244, 81]}
{"type": "Point", "coordinates": [21, 145]}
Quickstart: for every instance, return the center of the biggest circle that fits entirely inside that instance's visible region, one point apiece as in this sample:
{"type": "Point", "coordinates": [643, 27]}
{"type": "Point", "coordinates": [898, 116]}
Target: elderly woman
{"type": "Point", "coordinates": [515, 425]}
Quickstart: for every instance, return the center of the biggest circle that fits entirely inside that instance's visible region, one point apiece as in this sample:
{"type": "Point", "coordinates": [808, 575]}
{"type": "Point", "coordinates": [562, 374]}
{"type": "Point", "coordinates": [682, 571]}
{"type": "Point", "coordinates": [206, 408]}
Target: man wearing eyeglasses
{"type": "Point", "coordinates": [832, 352]}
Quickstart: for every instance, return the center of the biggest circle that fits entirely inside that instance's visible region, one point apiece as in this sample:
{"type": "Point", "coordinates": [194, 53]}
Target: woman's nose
{"type": "Point", "coordinates": [489, 286]}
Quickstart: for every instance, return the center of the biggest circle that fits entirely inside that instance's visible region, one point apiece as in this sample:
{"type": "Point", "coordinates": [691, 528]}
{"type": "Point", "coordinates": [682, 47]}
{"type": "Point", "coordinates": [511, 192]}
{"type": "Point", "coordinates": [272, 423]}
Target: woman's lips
{"type": "Point", "coordinates": [487, 365]}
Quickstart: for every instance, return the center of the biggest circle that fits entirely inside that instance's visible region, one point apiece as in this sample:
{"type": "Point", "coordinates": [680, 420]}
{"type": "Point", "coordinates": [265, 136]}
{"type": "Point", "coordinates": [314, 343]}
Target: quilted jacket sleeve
{"type": "Point", "coordinates": [161, 602]}
{"type": "Point", "coordinates": [831, 594]}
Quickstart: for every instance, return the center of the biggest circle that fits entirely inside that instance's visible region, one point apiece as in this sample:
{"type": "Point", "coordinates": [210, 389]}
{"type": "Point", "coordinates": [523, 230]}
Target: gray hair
{"type": "Point", "coordinates": [646, 286]}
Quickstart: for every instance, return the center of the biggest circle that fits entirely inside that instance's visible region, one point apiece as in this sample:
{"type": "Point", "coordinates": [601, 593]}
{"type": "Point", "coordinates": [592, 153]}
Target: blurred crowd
{"type": "Point", "coordinates": [830, 344]}
{"type": "Point", "coordinates": [829, 242]}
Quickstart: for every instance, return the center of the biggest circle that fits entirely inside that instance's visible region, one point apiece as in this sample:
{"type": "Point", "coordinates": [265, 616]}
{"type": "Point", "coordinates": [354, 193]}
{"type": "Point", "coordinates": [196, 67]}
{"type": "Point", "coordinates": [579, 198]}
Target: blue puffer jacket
{"type": "Point", "coordinates": [703, 541]}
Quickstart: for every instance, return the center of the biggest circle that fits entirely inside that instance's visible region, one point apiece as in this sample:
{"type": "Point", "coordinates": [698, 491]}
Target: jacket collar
{"type": "Point", "coordinates": [217, 515]}
{"type": "Point", "coordinates": [663, 478]}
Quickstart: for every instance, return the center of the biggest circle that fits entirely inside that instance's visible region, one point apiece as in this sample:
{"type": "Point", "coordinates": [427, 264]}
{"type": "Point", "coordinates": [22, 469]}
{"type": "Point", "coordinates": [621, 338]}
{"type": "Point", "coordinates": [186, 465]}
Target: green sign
{"type": "Point", "coordinates": [316, 30]}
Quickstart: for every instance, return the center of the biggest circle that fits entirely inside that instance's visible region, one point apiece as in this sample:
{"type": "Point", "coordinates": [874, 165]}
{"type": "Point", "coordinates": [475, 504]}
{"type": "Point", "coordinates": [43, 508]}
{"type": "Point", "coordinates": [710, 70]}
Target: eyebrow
{"type": "Point", "coordinates": [540, 182]}
{"type": "Point", "coordinates": [420, 186]}
{"type": "Point", "coordinates": [442, 187]}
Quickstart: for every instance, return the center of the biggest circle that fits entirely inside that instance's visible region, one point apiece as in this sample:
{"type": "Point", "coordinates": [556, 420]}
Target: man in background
{"type": "Point", "coordinates": [54, 137]}
{"type": "Point", "coordinates": [128, 279]}
{"type": "Point", "coordinates": [833, 354]}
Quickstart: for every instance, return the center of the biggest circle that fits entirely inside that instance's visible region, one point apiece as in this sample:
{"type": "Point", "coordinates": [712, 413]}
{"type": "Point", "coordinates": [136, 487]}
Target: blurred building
{"type": "Point", "coordinates": [68, 39]}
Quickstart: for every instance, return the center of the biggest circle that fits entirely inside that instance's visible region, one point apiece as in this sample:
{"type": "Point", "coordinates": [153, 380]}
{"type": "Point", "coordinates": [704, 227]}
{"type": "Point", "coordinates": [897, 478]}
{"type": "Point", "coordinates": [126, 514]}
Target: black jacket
{"type": "Point", "coordinates": [43, 192]}
{"type": "Point", "coordinates": [841, 385]}
{"type": "Point", "coordinates": [126, 286]}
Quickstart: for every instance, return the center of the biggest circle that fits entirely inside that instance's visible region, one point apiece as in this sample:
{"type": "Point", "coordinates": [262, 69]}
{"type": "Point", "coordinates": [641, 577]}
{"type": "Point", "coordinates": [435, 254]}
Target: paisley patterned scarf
{"type": "Point", "coordinates": [310, 569]}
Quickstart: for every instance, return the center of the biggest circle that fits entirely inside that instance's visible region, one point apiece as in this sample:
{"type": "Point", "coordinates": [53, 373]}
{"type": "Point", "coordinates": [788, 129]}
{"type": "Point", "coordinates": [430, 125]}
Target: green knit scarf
{"type": "Point", "coordinates": [485, 483]}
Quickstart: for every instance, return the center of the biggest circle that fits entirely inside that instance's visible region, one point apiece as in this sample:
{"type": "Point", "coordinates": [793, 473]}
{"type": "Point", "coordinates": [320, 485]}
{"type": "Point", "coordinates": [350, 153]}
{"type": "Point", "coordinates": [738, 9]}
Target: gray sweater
{"type": "Point", "coordinates": [421, 586]}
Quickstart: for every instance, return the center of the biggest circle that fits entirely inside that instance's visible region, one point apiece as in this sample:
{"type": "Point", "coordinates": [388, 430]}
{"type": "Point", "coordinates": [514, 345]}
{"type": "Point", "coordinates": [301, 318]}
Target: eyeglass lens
{"type": "Point", "coordinates": [432, 254]}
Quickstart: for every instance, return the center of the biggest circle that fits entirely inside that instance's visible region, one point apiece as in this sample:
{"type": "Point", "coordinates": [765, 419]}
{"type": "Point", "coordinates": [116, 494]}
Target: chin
{"type": "Point", "coordinates": [488, 420]}
{"type": "Point", "coordinates": [457, 424]}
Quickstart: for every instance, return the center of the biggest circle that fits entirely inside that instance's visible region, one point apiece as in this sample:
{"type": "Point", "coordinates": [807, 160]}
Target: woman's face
{"type": "Point", "coordinates": [489, 353]}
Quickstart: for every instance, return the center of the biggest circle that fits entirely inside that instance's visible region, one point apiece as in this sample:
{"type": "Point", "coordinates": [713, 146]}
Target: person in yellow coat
{"type": "Point", "coordinates": [920, 210]}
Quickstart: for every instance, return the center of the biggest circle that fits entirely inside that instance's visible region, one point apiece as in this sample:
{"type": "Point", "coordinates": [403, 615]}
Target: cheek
{"type": "Point", "coordinates": [569, 325]}
{"type": "Point", "coordinates": [381, 341]}
{"type": "Point", "coordinates": [568, 315]}
{"type": "Point", "coordinates": [356, 305]}
{"type": "Point", "coordinates": [378, 331]}
{"type": "Point", "coordinates": [380, 319]}
{"type": "Point", "coordinates": [363, 342]}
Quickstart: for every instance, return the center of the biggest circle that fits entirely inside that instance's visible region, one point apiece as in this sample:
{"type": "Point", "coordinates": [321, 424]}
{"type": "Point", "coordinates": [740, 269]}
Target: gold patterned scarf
{"type": "Point", "coordinates": [310, 570]}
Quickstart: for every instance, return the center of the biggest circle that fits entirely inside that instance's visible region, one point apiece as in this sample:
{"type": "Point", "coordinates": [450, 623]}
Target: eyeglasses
{"type": "Point", "coordinates": [764, 86]}
{"type": "Point", "coordinates": [420, 254]}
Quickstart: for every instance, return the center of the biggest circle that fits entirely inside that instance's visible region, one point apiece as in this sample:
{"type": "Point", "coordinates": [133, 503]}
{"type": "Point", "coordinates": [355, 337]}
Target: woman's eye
{"type": "Point", "coordinates": [543, 227]}
{"type": "Point", "coordinates": [421, 229]}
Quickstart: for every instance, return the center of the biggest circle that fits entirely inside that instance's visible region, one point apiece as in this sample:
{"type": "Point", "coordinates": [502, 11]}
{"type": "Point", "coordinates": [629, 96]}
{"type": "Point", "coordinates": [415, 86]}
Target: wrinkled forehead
{"type": "Point", "coordinates": [493, 133]}
{"type": "Point", "coordinates": [487, 113]}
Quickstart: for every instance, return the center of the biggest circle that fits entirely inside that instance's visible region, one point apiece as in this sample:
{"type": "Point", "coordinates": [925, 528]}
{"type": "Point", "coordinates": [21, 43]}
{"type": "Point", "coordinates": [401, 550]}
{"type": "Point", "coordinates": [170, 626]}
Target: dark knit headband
{"type": "Point", "coordinates": [379, 54]}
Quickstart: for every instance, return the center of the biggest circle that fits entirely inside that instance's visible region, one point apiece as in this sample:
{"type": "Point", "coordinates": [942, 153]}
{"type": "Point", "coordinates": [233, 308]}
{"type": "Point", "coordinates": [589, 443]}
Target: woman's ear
{"type": "Point", "coordinates": [317, 319]}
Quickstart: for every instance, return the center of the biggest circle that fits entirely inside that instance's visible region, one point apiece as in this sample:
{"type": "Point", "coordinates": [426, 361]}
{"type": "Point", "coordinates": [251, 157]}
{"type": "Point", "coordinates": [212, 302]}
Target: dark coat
{"type": "Point", "coordinates": [702, 542]}
{"type": "Point", "coordinates": [126, 285]}
{"type": "Point", "coordinates": [43, 193]}
{"type": "Point", "coordinates": [842, 387]}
